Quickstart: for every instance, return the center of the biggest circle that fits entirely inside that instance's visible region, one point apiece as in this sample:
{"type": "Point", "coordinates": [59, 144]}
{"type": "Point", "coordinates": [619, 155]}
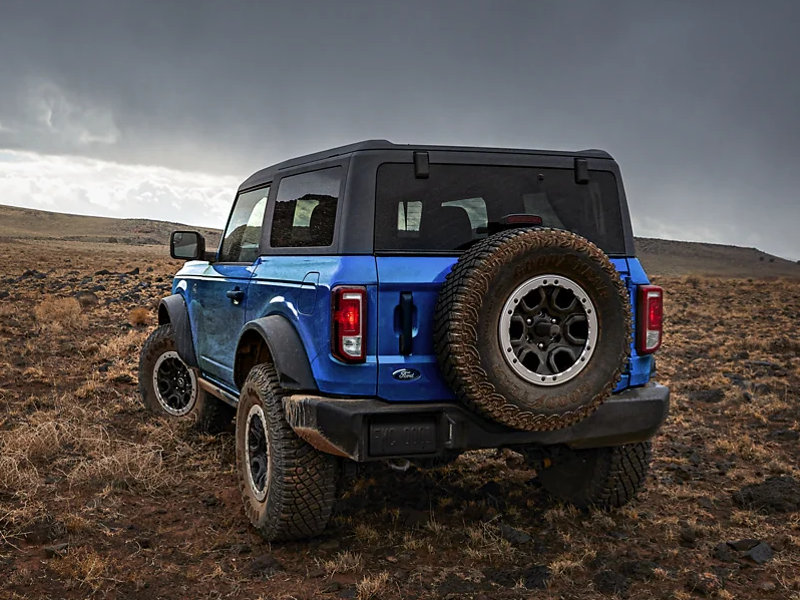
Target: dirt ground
{"type": "Point", "coordinates": [99, 499]}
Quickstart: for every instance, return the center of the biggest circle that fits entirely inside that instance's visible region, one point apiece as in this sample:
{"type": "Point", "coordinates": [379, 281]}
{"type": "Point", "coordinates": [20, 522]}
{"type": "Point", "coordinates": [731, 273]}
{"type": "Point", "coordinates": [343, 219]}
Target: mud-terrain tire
{"type": "Point", "coordinates": [494, 280]}
{"type": "Point", "coordinates": [288, 487]}
{"type": "Point", "coordinates": [180, 396]}
{"type": "Point", "coordinates": [596, 477]}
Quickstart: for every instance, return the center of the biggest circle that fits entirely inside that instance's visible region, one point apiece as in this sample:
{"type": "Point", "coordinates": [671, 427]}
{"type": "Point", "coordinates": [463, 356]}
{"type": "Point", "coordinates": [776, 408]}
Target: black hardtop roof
{"type": "Point", "coordinates": [267, 174]}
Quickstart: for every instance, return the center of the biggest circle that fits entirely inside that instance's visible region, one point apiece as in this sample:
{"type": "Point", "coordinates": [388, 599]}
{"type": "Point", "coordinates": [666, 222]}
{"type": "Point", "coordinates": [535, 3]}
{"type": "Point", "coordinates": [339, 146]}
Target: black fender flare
{"type": "Point", "coordinates": [172, 309]}
{"type": "Point", "coordinates": [286, 351]}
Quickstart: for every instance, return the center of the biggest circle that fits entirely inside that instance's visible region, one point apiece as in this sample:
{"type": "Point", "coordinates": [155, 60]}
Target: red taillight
{"type": "Point", "coordinates": [651, 315]}
{"type": "Point", "coordinates": [349, 318]}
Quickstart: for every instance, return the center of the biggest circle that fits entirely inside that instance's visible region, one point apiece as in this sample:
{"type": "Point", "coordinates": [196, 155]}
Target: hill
{"type": "Point", "coordinates": [30, 224]}
{"type": "Point", "coordinates": [660, 257]}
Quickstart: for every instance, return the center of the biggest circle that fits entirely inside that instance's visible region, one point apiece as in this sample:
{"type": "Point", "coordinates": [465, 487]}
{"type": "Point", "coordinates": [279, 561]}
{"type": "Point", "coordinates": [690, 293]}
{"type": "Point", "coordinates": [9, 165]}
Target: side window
{"type": "Point", "coordinates": [305, 209]}
{"type": "Point", "coordinates": [240, 242]}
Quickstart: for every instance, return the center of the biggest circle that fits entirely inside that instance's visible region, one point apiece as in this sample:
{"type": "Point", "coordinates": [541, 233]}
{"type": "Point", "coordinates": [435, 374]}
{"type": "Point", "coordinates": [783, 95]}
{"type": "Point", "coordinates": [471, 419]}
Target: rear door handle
{"type": "Point", "coordinates": [236, 295]}
{"type": "Point", "coordinates": [406, 332]}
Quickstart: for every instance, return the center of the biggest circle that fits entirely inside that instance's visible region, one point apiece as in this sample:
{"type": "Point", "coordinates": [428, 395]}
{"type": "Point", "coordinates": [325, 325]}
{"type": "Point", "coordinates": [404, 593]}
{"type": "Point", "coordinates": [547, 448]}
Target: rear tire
{"type": "Point", "coordinates": [288, 487]}
{"type": "Point", "coordinates": [599, 477]}
{"type": "Point", "coordinates": [533, 328]}
{"type": "Point", "coordinates": [170, 388]}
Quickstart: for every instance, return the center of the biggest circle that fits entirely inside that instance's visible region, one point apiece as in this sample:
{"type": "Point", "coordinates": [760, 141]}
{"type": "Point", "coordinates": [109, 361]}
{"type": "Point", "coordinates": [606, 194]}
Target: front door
{"type": "Point", "coordinates": [219, 294]}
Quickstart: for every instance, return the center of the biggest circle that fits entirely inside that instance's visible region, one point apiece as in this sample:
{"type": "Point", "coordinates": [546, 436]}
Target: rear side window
{"type": "Point", "coordinates": [242, 236]}
{"type": "Point", "coordinates": [305, 209]}
{"type": "Point", "coordinates": [456, 205]}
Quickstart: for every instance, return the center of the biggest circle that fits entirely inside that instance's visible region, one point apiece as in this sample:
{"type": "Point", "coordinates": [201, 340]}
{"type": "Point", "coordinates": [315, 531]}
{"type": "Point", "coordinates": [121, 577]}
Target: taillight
{"type": "Point", "coordinates": [349, 319]}
{"type": "Point", "coordinates": [651, 315]}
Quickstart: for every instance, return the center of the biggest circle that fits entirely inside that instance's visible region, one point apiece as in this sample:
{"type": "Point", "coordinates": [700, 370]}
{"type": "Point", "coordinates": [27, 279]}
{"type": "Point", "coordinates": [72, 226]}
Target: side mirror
{"type": "Point", "coordinates": [187, 245]}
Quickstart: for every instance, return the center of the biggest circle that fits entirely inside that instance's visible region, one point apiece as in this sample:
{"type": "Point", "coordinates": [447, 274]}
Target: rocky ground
{"type": "Point", "coordinates": [97, 498]}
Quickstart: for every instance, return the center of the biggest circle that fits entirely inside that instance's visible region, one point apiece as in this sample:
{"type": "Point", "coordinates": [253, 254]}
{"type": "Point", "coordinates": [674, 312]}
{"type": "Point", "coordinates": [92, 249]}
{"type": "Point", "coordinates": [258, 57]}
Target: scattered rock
{"type": "Point", "coordinates": [704, 583]}
{"type": "Point", "coordinates": [688, 536]}
{"type": "Point", "coordinates": [123, 378]}
{"type": "Point", "coordinates": [706, 502]}
{"type": "Point", "coordinates": [513, 535]}
{"type": "Point", "coordinates": [264, 566]}
{"type": "Point", "coordinates": [638, 569]}
{"type": "Point", "coordinates": [767, 586]}
{"type": "Point", "coordinates": [103, 272]}
{"type": "Point", "coordinates": [779, 435]}
{"type": "Point", "coordinates": [742, 545]}
{"type": "Point", "coordinates": [56, 550]}
{"type": "Point", "coordinates": [330, 545]}
{"type": "Point", "coordinates": [756, 550]}
{"type": "Point", "coordinates": [133, 271]}
{"type": "Point", "coordinates": [760, 553]}
{"type": "Point", "coordinates": [776, 494]}
{"type": "Point", "coordinates": [610, 582]}
{"type": "Point", "coordinates": [4, 294]}
{"type": "Point", "coordinates": [87, 299]}
{"type": "Point", "coordinates": [724, 552]}
{"type": "Point", "coordinates": [241, 549]}
{"type": "Point", "coordinates": [211, 501]}
{"type": "Point", "coordinates": [708, 396]}
{"type": "Point", "coordinates": [535, 577]}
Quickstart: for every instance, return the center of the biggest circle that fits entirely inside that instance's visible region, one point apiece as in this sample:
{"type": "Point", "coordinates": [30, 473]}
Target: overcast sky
{"type": "Point", "coordinates": [160, 109]}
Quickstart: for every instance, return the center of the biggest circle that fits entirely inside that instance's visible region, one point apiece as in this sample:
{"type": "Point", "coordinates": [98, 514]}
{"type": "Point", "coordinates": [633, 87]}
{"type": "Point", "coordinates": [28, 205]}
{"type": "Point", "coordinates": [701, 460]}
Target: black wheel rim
{"type": "Point", "coordinates": [257, 452]}
{"type": "Point", "coordinates": [175, 384]}
{"type": "Point", "coordinates": [548, 329]}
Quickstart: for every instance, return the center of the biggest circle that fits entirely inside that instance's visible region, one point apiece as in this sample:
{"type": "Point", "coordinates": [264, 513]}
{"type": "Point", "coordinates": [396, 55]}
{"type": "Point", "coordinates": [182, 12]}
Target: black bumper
{"type": "Point", "coordinates": [365, 429]}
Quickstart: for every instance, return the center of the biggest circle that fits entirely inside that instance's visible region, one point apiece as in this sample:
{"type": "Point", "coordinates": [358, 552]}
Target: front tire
{"type": "Point", "coordinates": [170, 388]}
{"type": "Point", "coordinates": [287, 486]}
{"type": "Point", "coordinates": [595, 477]}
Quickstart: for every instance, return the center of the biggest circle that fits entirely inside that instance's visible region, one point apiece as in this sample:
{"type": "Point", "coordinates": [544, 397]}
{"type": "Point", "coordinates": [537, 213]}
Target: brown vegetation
{"type": "Point", "coordinates": [97, 498]}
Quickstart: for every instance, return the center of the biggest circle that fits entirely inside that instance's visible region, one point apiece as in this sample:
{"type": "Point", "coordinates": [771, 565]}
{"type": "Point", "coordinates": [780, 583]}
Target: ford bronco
{"type": "Point", "coordinates": [382, 302]}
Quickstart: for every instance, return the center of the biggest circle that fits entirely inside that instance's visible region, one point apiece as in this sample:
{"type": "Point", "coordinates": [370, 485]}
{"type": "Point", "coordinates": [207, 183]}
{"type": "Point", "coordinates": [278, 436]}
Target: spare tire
{"type": "Point", "coordinates": [533, 328]}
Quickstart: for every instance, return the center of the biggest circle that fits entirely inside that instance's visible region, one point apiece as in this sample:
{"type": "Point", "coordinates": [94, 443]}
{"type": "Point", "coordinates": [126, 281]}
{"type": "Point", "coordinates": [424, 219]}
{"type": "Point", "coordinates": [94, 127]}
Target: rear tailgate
{"type": "Point", "coordinates": [415, 376]}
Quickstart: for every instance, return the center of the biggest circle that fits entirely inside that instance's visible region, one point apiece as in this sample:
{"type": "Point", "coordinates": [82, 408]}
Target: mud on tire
{"type": "Point", "coordinates": [599, 477]}
{"type": "Point", "coordinates": [169, 387]}
{"type": "Point", "coordinates": [488, 284]}
{"type": "Point", "coordinates": [287, 486]}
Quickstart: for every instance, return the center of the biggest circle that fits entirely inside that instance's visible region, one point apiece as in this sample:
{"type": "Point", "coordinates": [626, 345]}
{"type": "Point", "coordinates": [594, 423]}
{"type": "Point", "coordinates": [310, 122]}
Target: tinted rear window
{"type": "Point", "coordinates": [454, 206]}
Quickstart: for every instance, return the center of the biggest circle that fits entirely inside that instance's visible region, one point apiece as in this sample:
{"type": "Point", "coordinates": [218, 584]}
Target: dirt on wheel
{"type": "Point", "coordinates": [533, 328]}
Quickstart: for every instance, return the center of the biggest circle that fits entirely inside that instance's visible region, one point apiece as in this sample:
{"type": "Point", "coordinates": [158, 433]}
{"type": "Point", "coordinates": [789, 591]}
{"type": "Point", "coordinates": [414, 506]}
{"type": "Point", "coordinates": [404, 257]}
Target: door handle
{"type": "Point", "coordinates": [406, 332]}
{"type": "Point", "coordinates": [236, 295]}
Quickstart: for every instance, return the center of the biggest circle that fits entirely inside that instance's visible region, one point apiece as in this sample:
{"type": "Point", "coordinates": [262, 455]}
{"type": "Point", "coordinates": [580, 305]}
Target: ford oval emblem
{"type": "Point", "coordinates": [406, 374]}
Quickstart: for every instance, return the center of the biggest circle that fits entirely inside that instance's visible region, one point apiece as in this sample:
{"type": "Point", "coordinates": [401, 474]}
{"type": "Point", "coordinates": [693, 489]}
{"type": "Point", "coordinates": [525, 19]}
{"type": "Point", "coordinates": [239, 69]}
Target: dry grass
{"type": "Point", "coordinates": [343, 562]}
{"type": "Point", "coordinates": [151, 502]}
{"type": "Point", "coordinates": [139, 316]}
{"type": "Point", "coordinates": [373, 586]}
{"type": "Point", "coordinates": [59, 314]}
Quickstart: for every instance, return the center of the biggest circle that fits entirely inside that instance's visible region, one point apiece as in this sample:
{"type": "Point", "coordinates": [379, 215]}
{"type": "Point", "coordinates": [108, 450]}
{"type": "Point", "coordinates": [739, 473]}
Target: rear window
{"type": "Point", "coordinates": [305, 209]}
{"type": "Point", "coordinates": [455, 205]}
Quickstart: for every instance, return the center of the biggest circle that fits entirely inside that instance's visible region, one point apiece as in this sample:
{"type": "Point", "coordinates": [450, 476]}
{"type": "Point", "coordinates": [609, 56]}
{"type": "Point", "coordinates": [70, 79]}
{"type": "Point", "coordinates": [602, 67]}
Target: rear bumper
{"type": "Point", "coordinates": [365, 429]}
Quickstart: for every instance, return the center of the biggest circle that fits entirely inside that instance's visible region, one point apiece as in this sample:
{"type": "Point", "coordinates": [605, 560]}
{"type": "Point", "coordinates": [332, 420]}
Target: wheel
{"type": "Point", "coordinates": [169, 387]}
{"type": "Point", "coordinates": [601, 477]}
{"type": "Point", "coordinates": [288, 487]}
{"type": "Point", "coordinates": [533, 328]}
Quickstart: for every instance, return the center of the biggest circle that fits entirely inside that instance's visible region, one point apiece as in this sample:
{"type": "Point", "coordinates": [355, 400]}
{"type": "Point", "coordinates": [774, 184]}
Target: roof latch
{"type": "Point", "coordinates": [422, 168]}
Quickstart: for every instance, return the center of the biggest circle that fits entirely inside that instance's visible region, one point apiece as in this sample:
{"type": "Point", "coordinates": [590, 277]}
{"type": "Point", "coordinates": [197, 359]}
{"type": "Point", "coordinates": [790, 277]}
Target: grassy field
{"type": "Point", "coordinates": [97, 498]}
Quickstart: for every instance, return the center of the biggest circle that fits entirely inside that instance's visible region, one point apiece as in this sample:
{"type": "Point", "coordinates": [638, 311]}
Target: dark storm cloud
{"type": "Point", "coordinates": [698, 101]}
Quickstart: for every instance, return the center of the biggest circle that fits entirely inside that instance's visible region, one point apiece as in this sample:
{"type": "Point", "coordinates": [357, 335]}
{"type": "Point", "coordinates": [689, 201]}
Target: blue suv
{"type": "Point", "coordinates": [382, 302]}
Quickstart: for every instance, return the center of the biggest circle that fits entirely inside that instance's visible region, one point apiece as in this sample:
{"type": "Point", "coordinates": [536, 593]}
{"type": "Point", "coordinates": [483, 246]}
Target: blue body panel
{"type": "Point", "coordinates": [299, 289]}
{"type": "Point", "coordinates": [215, 320]}
{"type": "Point", "coordinates": [423, 276]}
